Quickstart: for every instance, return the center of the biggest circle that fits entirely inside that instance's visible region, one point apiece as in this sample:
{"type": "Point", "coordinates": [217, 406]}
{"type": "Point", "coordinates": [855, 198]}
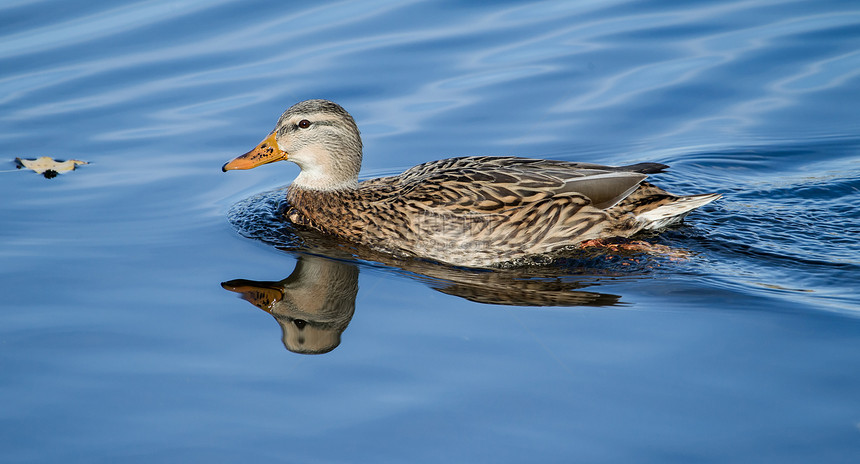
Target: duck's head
{"type": "Point", "coordinates": [319, 136]}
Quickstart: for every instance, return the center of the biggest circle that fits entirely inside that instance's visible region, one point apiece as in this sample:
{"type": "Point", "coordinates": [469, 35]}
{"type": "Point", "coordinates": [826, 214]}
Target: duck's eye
{"type": "Point", "coordinates": [304, 124]}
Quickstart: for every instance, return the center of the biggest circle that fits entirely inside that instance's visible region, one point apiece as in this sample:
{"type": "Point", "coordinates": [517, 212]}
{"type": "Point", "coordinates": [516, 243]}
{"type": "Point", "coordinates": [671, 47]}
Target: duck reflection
{"type": "Point", "coordinates": [316, 302]}
{"type": "Point", "coordinates": [313, 305]}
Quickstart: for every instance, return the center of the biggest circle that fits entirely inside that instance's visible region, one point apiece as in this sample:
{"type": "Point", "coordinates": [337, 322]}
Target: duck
{"type": "Point", "coordinates": [471, 211]}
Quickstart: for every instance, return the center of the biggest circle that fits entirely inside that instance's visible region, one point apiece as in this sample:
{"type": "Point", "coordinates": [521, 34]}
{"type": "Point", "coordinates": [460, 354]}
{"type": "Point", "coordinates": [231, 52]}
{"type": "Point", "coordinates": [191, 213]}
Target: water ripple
{"type": "Point", "coordinates": [823, 74]}
{"type": "Point", "coordinates": [101, 25]}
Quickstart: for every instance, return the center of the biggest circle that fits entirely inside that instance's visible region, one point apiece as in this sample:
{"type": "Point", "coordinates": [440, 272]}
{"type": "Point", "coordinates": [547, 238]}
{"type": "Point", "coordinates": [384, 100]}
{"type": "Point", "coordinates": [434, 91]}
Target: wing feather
{"type": "Point", "coordinates": [495, 183]}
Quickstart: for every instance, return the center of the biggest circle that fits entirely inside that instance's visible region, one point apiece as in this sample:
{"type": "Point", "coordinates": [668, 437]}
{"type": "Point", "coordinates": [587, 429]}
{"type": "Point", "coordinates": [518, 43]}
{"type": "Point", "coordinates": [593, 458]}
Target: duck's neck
{"type": "Point", "coordinates": [313, 181]}
{"type": "Point", "coordinates": [300, 196]}
{"type": "Point", "coordinates": [327, 167]}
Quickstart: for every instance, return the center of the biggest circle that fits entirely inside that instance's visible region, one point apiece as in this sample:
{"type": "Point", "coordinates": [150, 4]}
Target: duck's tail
{"type": "Point", "coordinates": [674, 212]}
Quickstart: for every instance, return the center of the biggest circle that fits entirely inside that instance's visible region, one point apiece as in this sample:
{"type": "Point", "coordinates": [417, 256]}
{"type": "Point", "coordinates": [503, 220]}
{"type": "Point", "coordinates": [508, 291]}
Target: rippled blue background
{"type": "Point", "coordinates": [118, 344]}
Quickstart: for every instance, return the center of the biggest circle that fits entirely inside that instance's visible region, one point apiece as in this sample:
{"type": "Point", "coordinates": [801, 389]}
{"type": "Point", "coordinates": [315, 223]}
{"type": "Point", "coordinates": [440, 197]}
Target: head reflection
{"type": "Point", "coordinates": [313, 305]}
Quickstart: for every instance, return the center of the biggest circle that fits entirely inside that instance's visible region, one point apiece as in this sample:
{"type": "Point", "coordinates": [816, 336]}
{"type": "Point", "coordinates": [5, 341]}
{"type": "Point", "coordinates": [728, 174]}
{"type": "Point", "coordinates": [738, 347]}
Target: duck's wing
{"type": "Point", "coordinates": [490, 184]}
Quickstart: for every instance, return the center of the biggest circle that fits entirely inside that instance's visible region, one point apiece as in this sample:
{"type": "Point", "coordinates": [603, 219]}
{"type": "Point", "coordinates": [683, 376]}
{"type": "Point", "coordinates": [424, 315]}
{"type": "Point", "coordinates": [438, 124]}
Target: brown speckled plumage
{"type": "Point", "coordinates": [470, 211]}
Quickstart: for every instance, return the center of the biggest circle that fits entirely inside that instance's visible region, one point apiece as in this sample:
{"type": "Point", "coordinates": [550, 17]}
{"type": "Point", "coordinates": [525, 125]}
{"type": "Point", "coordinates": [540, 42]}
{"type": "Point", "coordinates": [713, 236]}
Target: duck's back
{"type": "Point", "coordinates": [485, 184]}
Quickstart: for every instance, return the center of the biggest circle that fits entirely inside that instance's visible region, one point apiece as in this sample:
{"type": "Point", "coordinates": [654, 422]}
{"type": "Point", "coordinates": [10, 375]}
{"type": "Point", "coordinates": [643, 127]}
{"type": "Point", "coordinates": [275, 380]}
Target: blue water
{"type": "Point", "coordinates": [118, 342]}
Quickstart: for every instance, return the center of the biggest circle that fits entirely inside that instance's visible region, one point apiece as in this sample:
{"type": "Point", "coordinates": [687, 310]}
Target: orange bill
{"type": "Point", "coordinates": [266, 152]}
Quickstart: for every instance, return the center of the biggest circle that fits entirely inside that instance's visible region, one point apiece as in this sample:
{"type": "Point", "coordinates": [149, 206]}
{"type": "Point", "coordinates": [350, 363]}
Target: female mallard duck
{"type": "Point", "coordinates": [472, 211]}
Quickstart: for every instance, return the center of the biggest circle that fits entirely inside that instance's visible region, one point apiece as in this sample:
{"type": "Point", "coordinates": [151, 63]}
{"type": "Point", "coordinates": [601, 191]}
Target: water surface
{"type": "Point", "coordinates": [119, 342]}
